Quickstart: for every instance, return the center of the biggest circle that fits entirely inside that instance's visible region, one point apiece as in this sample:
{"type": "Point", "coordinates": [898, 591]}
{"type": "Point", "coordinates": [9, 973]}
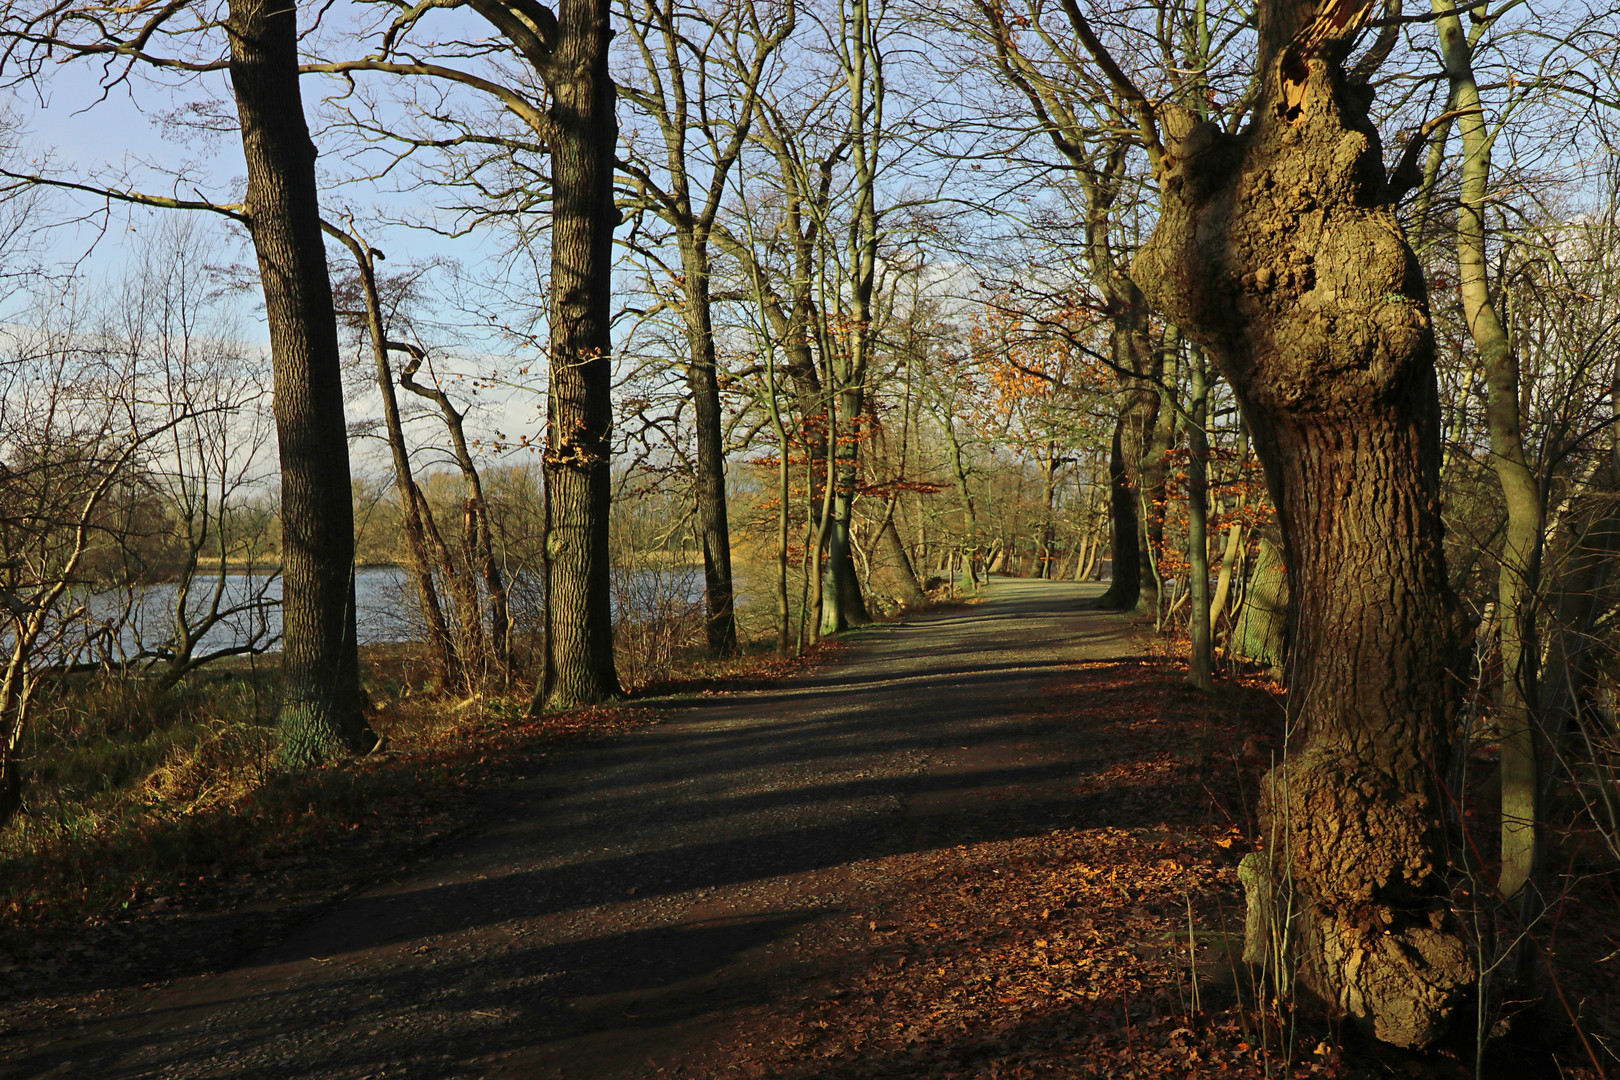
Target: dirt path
{"type": "Point", "coordinates": [638, 902]}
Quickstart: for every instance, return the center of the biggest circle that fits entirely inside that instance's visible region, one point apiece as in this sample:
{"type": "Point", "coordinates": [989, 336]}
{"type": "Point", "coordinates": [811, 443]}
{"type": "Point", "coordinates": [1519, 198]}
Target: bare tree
{"type": "Point", "coordinates": [566, 48]}
{"type": "Point", "coordinates": [211, 395]}
{"type": "Point", "coordinates": [688, 59]}
{"type": "Point", "coordinates": [65, 449]}
{"type": "Point", "coordinates": [321, 712]}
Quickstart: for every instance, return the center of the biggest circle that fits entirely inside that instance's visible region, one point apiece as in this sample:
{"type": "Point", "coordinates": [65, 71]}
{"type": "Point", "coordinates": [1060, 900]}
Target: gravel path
{"type": "Point", "coordinates": [639, 901]}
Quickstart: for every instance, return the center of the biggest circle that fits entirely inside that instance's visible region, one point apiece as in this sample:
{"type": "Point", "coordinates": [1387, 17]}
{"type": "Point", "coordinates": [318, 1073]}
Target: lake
{"type": "Point", "coordinates": [385, 608]}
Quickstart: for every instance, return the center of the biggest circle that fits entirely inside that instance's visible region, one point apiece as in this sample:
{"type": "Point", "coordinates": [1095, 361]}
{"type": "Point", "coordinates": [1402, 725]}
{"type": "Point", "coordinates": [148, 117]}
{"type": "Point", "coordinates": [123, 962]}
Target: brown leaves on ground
{"type": "Point", "coordinates": [1099, 952]}
{"type": "Point", "coordinates": [1061, 955]}
{"type": "Point", "coordinates": [1083, 952]}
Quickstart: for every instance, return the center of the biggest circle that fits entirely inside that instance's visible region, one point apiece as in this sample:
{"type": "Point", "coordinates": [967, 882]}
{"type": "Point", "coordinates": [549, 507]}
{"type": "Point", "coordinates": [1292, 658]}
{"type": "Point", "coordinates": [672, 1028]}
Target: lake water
{"type": "Point", "coordinates": [385, 608]}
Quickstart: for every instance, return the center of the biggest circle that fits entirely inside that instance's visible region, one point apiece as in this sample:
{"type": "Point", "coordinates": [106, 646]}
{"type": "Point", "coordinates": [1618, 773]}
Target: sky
{"type": "Point", "coordinates": [125, 139]}
{"type": "Point", "coordinates": [129, 137]}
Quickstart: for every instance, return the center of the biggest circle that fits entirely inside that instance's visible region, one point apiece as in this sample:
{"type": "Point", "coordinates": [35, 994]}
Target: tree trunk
{"type": "Point", "coordinates": [1520, 569]}
{"type": "Point", "coordinates": [1146, 438]}
{"type": "Point", "coordinates": [670, 101]}
{"type": "Point", "coordinates": [419, 561]}
{"type": "Point", "coordinates": [1049, 471]}
{"type": "Point", "coordinates": [1277, 251]}
{"type": "Point", "coordinates": [1125, 526]}
{"type": "Point", "coordinates": [862, 62]}
{"type": "Point", "coordinates": [478, 541]}
{"type": "Point", "coordinates": [842, 604]}
{"type": "Point", "coordinates": [1223, 582]}
{"type": "Point", "coordinates": [1261, 633]}
{"type": "Point", "coordinates": [1200, 673]}
{"type": "Point", "coordinates": [783, 490]}
{"type": "Point", "coordinates": [1087, 565]}
{"type": "Point", "coordinates": [823, 517]}
{"type": "Point", "coordinates": [321, 713]}
{"type": "Point", "coordinates": [905, 577]}
{"type": "Point", "coordinates": [702, 379]}
{"type": "Point", "coordinates": [465, 587]}
{"type": "Point", "coordinates": [579, 414]}
{"type": "Point", "coordinates": [1152, 473]}
{"type": "Point", "coordinates": [1234, 544]}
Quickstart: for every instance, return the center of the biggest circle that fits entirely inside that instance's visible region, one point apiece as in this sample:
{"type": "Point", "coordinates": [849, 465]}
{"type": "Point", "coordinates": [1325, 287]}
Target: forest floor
{"type": "Point", "coordinates": [996, 841]}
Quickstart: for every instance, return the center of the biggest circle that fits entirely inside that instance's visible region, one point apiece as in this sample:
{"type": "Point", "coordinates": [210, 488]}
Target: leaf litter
{"type": "Point", "coordinates": [1099, 952]}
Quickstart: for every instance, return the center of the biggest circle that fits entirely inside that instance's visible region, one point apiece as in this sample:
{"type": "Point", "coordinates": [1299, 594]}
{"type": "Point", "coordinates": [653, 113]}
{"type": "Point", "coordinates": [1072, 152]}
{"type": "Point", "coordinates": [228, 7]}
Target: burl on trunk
{"type": "Point", "coordinates": [1277, 250]}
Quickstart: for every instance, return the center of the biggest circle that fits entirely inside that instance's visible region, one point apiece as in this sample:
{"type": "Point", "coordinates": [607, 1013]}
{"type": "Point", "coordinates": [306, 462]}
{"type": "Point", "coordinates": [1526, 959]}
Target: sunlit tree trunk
{"type": "Point", "coordinates": [905, 576]}
{"type": "Point", "coordinates": [1152, 476]}
{"type": "Point", "coordinates": [1520, 568]}
{"type": "Point", "coordinates": [579, 413]}
{"type": "Point", "coordinates": [1278, 252]}
{"type": "Point", "coordinates": [1223, 580]}
{"type": "Point", "coordinates": [1201, 666]}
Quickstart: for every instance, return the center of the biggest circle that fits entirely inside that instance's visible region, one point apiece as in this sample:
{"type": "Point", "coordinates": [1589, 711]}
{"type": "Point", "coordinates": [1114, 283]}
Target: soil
{"type": "Point", "coordinates": [995, 841]}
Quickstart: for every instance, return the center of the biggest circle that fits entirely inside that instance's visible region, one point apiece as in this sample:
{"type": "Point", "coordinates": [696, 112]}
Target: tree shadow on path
{"type": "Point", "coordinates": [637, 898]}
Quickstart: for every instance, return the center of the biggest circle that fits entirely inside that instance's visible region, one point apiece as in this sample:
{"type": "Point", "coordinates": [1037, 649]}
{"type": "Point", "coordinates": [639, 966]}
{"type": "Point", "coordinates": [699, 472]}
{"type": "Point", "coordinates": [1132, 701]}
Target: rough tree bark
{"type": "Point", "coordinates": [579, 411]}
{"type": "Point", "coordinates": [1278, 252]}
{"type": "Point", "coordinates": [321, 702]}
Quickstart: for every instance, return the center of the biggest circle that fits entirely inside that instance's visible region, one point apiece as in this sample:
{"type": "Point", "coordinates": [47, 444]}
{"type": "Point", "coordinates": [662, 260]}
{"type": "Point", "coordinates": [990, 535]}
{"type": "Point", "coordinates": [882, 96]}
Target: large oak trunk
{"type": "Point", "coordinates": [579, 622]}
{"type": "Point", "coordinates": [1276, 250]}
{"type": "Point", "coordinates": [321, 701]}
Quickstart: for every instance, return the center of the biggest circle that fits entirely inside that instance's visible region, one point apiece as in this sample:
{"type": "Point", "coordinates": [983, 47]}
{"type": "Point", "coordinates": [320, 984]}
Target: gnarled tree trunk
{"type": "Point", "coordinates": [1278, 252]}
